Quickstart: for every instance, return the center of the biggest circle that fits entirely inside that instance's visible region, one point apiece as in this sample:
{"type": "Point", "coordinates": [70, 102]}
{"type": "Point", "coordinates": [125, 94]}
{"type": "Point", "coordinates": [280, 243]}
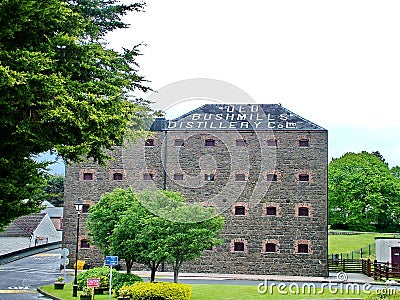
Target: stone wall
{"type": "Point", "coordinates": [256, 162]}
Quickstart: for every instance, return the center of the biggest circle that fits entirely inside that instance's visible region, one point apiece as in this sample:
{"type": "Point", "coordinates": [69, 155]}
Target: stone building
{"type": "Point", "coordinates": [262, 166]}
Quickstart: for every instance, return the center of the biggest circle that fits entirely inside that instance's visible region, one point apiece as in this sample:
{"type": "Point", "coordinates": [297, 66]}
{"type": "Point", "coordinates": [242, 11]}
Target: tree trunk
{"type": "Point", "coordinates": [176, 266]}
{"type": "Point", "coordinates": [176, 273]}
{"type": "Point", "coordinates": [153, 274]}
{"type": "Point", "coordinates": [129, 264]}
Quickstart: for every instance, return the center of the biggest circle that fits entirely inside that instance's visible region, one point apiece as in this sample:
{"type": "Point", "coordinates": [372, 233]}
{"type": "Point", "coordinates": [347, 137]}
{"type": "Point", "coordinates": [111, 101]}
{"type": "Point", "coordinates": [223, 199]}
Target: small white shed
{"type": "Point", "coordinates": [387, 250]}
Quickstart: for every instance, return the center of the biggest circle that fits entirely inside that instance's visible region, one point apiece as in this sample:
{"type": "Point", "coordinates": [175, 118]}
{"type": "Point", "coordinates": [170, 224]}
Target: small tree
{"type": "Point", "coordinates": [187, 241]}
{"type": "Point", "coordinates": [106, 215]}
{"type": "Point", "coordinates": [152, 227]}
{"type": "Point", "coordinates": [191, 229]}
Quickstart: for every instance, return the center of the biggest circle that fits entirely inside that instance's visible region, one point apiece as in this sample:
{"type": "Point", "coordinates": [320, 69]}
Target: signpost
{"type": "Point", "coordinates": [92, 283]}
{"type": "Point", "coordinates": [111, 261]}
{"type": "Point", "coordinates": [64, 260]}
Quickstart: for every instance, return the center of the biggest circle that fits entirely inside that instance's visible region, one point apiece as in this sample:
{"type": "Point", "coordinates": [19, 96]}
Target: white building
{"type": "Point", "coordinates": [388, 250]}
{"type": "Point", "coordinates": [28, 231]}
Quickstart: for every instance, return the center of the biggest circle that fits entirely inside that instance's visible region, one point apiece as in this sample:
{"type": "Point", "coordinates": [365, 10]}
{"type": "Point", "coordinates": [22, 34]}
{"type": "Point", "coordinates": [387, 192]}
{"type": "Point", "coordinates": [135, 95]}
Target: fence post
{"type": "Point", "coordinates": [387, 272]}
{"type": "Point", "coordinates": [369, 249]}
{"type": "Point", "coordinates": [375, 269]}
{"type": "Point", "coordinates": [361, 253]}
{"type": "Point", "coordinates": [368, 267]}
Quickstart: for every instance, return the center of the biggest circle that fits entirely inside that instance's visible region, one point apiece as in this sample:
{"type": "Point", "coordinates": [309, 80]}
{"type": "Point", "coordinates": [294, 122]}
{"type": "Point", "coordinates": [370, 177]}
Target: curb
{"type": "Point", "coordinates": [47, 294]}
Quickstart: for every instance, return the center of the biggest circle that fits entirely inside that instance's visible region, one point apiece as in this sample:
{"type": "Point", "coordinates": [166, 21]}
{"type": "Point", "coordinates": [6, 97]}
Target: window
{"type": "Point", "coordinates": [87, 176]}
{"type": "Point", "coordinates": [304, 177]}
{"type": "Point", "coordinates": [240, 211]}
{"type": "Point", "coordinates": [302, 248]}
{"type": "Point", "coordinates": [303, 212]}
{"type": "Point", "coordinates": [240, 177]}
{"type": "Point", "coordinates": [178, 176]}
{"type": "Point", "coordinates": [238, 247]}
{"type": "Point", "coordinates": [179, 143]}
{"type": "Point", "coordinates": [209, 142]}
{"type": "Point", "coordinates": [272, 142]}
{"type": "Point", "coordinates": [149, 143]}
{"type": "Point", "coordinates": [85, 244]}
{"type": "Point", "coordinates": [271, 211]}
{"type": "Point", "coordinates": [272, 177]}
{"type": "Point", "coordinates": [304, 143]}
{"type": "Point", "coordinates": [85, 208]}
{"type": "Point", "coordinates": [148, 176]}
{"type": "Point", "coordinates": [209, 177]}
{"type": "Point", "coordinates": [117, 176]}
{"type": "Point", "coordinates": [241, 143]}
{"type": "Point", "coordinates": [270, 247]}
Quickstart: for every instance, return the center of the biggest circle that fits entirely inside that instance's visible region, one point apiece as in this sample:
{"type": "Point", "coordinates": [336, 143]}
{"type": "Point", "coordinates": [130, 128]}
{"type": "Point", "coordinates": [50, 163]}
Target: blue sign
{"type": "Point", "coordinates": [111, 260]}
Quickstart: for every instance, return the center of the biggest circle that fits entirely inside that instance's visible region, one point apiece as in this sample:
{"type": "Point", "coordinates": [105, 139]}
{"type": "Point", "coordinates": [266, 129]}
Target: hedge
{"type": "Point", "coordinates": [157, 291]}
{"type": "Point", "coordinates": [118, 279]}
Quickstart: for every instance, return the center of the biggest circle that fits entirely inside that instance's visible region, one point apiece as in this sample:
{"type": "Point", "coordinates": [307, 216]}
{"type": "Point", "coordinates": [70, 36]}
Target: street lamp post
{"type": "Point", "coordinates": [78, 207]}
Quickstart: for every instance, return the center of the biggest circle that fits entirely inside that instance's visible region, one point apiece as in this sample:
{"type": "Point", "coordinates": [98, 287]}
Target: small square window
{"type": "Point", "coordinates": [87, 176]}
{"type": "Point", "coordinates": [178, 176]}
{"type": "Point", "coordinates": [272, 177]}
{"type": "Point", "coordinates": [272, 142]}
{"type": "Point", "coordinates": [85, 208]}
{"type": "Point", "coordinates": [240, 177]}
{"type": "Point", "coordinates": [209, 142]}
{"type": "Point", "coordinates": [179, 143]}
{"type": "Point", "coordinates": [209, 177]}
{"type": "Point", "coordinates": [238, 246]}
{"type": "Point", "coordinates": [271, 211]}
{"type": "Point", "coordinates": [148, 176]}
{"type": "Point", "coordinates": [302, 248]}
{"type": "Point", "coordinates": [240, 211]}
{"type": "Point", "coordinates": [304, 177]}
{"type": "Point", "coordinates": [304, 143]}
{"type": "Point", "coordinates": [117, 176]}
{"type": "Point", "coordinates": [85, 244]}
{"type": "Point", "coordinates": [241, 143]}
{"type": "Point", "coordinates": [149, 143]}
{"type": "Point", "coordinates": [270, 247]}
{"type": "Point", "coordinates": [303, 211]}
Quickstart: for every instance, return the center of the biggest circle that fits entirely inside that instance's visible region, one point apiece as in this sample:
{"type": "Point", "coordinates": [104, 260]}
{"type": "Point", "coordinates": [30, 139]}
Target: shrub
{"type": "Point", "coordinates": [122, 279]}
{"type": "Point", "coordinates": [160, 291]}
{"type": "Point", "coordinates": [86, 291]}
{"type": "Point", "coordinates": [103, 273]}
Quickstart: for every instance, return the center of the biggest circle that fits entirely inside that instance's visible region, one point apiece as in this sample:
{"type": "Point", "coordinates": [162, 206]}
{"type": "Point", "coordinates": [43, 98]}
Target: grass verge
{"type": "Point", "coordinates": [231, 292]}
{"type": "Point", "coordinates": [353, 242]}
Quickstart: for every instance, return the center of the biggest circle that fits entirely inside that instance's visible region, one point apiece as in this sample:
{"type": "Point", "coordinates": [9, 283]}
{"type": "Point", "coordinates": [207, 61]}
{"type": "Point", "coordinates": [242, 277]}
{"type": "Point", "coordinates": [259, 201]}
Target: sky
{"type": "Point", "coordinates": [336, 63]}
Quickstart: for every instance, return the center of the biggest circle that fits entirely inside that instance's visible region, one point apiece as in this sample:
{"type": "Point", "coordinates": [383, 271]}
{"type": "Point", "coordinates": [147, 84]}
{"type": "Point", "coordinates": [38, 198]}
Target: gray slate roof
{"type": "Point", "coordinates": [241, 117]}
{"type": "Point", "coordinates": [23, 226]}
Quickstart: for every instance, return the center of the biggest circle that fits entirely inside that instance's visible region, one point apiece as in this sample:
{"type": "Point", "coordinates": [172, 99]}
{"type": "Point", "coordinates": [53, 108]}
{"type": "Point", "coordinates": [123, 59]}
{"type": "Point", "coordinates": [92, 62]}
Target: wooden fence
{"type": "Point", "coordinates": [345, 265]}
{"type": "Point", "coordinates": [380, 270]}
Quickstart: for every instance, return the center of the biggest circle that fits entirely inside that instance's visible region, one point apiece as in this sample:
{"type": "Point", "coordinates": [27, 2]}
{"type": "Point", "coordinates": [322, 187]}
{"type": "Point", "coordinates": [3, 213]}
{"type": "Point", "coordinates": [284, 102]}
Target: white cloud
{"type": "Point", "coordinates": [335, 63]}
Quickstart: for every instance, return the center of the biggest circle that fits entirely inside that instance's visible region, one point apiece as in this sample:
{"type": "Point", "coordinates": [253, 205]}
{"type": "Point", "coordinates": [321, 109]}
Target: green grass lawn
{"type": "Point", "coordinates": [224, 292]}
{"type": "Point", "coordinates": [336, 244]}
{"type": "Point", "coordinates": [348, 243]}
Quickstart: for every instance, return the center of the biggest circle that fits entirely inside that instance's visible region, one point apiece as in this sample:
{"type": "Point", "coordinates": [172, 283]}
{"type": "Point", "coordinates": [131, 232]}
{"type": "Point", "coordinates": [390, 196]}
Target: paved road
{"type": "Point", "coordinates": [25, 275]}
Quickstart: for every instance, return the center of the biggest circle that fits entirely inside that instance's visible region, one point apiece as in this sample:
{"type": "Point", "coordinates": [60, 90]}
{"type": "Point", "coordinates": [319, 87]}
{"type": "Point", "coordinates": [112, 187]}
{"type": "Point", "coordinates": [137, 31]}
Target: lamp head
{"type": "Point", "coordinates": [78, 205]}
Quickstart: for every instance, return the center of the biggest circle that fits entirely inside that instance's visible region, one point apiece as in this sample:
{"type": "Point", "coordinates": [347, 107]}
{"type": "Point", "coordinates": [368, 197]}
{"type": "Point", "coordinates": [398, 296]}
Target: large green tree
{"type": "Point", "coordinates": [119, 224]}
{"type": "Point", "coordinates": [61, 90]}
{"type": "Point", "coordinates": [363, 193]}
